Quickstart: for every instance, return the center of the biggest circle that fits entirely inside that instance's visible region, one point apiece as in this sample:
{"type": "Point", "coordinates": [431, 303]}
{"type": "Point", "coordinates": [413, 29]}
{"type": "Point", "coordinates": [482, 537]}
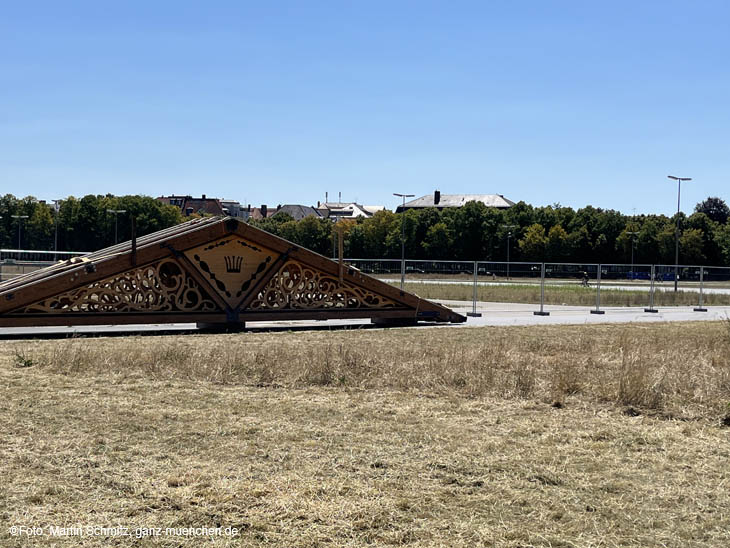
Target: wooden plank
{"type": "Point", "coordinates": [167, 318]}
{"type": "Point", "coordinates": [108, 319]}
{"type": "Point", "coordinates": [331, 314]}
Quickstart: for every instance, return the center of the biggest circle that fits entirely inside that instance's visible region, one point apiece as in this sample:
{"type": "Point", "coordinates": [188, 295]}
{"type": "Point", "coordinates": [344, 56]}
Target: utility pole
{"type": "Point", "coordinates": [20, 227]}
{"type": "Point", "coordinates": [676, 229]}
{"type": "Point", "coordinates": [403, 239]}
{"type": "Point", "coordinates": [116, 213]}
{"type": "Point", "coordinates": [509, 235]}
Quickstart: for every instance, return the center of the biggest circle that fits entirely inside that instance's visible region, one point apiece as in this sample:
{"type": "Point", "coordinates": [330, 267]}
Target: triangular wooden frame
{"type": "Point", "coordinates": [208, 271]}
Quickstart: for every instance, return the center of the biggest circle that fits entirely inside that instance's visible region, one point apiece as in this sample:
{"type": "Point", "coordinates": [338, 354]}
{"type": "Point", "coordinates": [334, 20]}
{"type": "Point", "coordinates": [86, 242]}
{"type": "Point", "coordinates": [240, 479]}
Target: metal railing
{"type": "Point", "coordinates": [15, 262]}
{"type": "Point", "coordinates": [551, 277]}
{"type": "Point", "coordinates": [29, 255]}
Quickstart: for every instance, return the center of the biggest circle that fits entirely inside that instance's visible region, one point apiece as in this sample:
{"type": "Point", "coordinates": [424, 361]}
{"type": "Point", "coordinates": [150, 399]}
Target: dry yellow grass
{"type": "Point", "coordinates": [541, 436]}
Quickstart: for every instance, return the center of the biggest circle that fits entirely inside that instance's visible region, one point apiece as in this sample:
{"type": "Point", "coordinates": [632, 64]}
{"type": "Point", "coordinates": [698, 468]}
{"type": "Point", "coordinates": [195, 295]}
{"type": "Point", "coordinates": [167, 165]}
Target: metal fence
{"type": "Point", "coordinates": [552, 278]}
{"type": "Point", "coordinates": [28, 255]}
{"type": "Point", "coordinates": [15, 262]}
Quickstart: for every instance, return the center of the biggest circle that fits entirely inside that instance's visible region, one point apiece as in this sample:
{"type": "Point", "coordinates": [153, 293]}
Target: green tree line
{"type": "Point", "coordinates": [82, 224]}
{"type": "Point", "coordinates": [550, 233]}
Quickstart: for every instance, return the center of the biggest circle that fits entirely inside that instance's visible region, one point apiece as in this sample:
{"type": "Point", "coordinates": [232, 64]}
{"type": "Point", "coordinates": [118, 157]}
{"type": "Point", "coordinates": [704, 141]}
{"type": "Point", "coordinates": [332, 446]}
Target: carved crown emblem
{"type": "Point", "coordinates": [233, 263]}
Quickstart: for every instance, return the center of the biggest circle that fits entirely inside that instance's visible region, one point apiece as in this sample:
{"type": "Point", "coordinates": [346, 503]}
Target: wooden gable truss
{"type": "Point", "coordinates": [211, 271]}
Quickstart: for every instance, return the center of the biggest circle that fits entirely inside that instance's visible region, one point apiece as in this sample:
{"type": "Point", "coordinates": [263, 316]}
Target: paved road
{"type": "Point", "coordinates": [503, 314]}
{"type": "Point", "coordinates": [522, 314]}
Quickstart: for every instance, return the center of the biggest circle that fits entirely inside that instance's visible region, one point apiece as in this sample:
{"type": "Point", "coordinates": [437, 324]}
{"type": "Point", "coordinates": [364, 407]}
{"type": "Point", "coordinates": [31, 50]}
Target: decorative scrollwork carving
{"type": "Point", "coordinates": [158, 287]}
{"type": "Point", "coordinates": [301, 287]}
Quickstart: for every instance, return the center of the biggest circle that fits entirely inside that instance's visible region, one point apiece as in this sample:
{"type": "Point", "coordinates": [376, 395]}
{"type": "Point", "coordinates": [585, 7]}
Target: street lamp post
{"type": "Point", "coordinates": [509, 235]}
{"type": "Point", "coordinates": [56, 209]}
{"type": "Point", "coordinates": [20, 226]}
{"type": "Point", "coordinates": [116, 216]}
{"type": "Point", "coordinates": [403, 239]}
{"type": "Point", "coordinates": [676, 229]}
{"type": "Point", "coordinates": [633, 241]}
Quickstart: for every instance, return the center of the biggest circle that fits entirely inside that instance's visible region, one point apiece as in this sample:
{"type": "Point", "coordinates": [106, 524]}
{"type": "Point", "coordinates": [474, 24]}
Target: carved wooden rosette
{"type": "Point", "coordinates": [297, 286]}
{"type": "Point", "coordinates": [157, 287]}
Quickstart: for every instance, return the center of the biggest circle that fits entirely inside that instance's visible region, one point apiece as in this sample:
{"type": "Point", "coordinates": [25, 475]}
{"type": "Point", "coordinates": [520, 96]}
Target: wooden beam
{"type": "Point", "coordinates": [30, 320]}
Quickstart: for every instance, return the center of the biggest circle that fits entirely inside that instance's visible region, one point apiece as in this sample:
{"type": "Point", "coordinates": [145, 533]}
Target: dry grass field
{"type": "Point", "coordinates": [577, 436]}
{"type": "Point", "coordinates": [574, 295]}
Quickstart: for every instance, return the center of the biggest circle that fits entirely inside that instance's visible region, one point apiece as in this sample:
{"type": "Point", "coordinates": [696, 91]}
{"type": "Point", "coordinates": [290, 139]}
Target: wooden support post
{"type": "Point", "coordinates": [227, 327]}
{"type": "Point", "coordinates": [134, 240]}
{"type": "Point", "coordinates": [340, 246]}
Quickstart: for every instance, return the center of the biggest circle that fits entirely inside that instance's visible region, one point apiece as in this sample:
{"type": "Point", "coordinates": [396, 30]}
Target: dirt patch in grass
{"type": "Point", "coordinates": [420, 437]}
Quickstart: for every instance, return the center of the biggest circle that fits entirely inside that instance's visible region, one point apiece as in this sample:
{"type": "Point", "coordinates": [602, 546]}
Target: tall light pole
{"type": "Point", "coordinates": [509, 235]}
{"type": "Point", "coordinates": [116, 216]}
{"type": "Point", "coordinates": [20, 226]}
{"type": "Point", "coordinates": [633, 241]}
{"type": "Point", "coordinates": [676, 229]}
{"type": "Point", "coordinates": [403, 239]}
{"type": "Point", "coordinates": [56, 210]}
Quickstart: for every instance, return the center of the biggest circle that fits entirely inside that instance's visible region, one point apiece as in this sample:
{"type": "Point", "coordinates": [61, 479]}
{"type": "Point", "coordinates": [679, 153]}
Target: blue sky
{"type": "Point", "coordinates": [279, 102]}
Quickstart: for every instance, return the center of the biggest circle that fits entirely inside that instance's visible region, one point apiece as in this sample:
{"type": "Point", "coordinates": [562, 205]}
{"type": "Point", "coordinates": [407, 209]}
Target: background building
{"type": "Point", "coordinates": [441, 201]}
{"type": "Point", "coordinates": [189, 205]}
{"type": "Point", "coordinates": [346, 210]}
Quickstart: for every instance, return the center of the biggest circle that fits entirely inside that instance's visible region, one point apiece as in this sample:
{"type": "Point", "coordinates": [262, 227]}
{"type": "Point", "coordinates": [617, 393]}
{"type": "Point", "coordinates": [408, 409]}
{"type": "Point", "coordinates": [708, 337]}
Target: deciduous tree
{"type": "Point", "coordinates": [715, 208]}
{"type": "Point", "coordinates": [533, 243]}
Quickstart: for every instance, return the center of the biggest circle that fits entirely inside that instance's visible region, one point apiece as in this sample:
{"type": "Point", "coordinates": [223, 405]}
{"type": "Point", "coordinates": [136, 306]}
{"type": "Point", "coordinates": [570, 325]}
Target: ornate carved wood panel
{"type": "Point", "coordinates": [232, 265]}
{"type": "Point", "coordinates": [159, 287]}
{"type": "Point", "coordinates": [214, 270]}
{"type": "Point", "coordinates": [298, 286]}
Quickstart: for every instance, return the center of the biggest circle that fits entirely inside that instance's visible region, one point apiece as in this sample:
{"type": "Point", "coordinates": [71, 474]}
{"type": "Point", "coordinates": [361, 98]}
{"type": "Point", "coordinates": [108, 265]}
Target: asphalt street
{"type": "Point", "coordinates": [492, 314]}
